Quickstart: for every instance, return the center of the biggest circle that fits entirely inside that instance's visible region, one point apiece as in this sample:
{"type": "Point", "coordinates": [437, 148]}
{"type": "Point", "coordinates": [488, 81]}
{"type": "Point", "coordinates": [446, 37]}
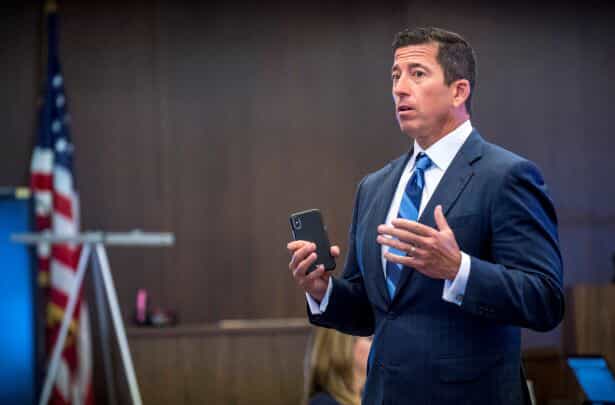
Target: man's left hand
{"type": "Point", "coordinates": [433, 252]}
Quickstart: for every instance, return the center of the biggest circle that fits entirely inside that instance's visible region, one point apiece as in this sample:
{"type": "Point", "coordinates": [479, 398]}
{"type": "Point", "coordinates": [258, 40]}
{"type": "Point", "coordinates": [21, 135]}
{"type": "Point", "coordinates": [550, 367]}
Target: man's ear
{"type": "Point", "coordinates": [461, 91]}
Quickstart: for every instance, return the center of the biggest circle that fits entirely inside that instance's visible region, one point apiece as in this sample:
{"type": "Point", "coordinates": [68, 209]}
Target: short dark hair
{"type": "Point", "coordinates": [455, 55]}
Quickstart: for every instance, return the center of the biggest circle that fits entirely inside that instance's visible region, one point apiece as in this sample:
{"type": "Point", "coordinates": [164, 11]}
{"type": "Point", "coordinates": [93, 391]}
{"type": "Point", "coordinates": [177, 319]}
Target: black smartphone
{"type": "Point", "coordinates": [308, 225]}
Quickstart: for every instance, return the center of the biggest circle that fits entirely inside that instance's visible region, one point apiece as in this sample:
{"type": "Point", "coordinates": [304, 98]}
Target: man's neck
{"type": "Point", "coordinates": [446, 128]}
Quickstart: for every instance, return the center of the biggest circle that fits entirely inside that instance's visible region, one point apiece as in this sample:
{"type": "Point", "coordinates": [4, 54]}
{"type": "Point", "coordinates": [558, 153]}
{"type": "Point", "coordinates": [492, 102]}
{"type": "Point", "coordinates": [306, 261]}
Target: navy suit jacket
{"type": "Point", "coordinates": [429, 351]}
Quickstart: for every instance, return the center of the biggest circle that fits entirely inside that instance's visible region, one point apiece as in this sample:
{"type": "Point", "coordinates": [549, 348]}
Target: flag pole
{"type": "Point", "coordinates": [49, 7]}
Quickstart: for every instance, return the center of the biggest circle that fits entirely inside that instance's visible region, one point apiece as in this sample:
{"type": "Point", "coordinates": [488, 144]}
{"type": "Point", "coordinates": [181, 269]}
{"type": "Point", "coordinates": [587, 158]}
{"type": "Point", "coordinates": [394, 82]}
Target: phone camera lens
{"type": "Point", "coordinates": [297, 223]}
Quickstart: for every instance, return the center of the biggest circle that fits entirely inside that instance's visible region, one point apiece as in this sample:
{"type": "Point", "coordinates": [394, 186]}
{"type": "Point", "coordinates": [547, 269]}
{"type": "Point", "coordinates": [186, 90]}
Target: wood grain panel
{"type": "Point", "coordinates": [19, 63]}
{"type": "Point", "coordinates": [261, 362]}
{"type": "Point", "coordinates": [589, 324]}
{"type": "Point", "coordinates": [551, 378]}
{"type": "Point", "coordinates": [239, 363]}
{"type": "Point", "coordinates": [590, 321]}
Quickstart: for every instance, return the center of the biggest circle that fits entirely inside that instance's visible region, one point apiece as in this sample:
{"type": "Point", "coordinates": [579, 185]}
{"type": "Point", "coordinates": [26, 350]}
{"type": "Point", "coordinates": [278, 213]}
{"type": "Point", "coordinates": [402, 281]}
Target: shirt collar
{"type": "Point", "coordinates": [443, 152]}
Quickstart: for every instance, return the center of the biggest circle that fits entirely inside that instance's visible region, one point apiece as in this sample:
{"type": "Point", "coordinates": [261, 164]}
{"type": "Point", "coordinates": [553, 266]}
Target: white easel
{"type": "Point", "coordinates": [93, 243]}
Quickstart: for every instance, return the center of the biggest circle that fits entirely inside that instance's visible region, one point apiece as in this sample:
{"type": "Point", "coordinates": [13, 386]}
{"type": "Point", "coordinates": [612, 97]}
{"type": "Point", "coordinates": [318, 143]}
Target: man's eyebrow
{"type": "Point", "coordinates": [417, 65]}
{"type": "Point", "coordinates": [410, 66]}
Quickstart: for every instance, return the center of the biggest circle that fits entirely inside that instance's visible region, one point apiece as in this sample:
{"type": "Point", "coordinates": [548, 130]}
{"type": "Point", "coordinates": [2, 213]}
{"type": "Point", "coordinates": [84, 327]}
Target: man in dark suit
{"type": "Point", "coordinates": [453, 247]}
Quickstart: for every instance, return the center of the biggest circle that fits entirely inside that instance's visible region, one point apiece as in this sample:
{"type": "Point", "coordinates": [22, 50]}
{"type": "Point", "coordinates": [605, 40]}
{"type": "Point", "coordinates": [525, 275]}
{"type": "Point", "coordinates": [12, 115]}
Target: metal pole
{"type": "Point", "coordinates": [99, 239]}
{"type": "Point", "coordinates": [103, 325]}
{"type": "Point", "coordinates": [68, 315]}
{"type": "Point", "coordinates": [116, 316]}
{"type": "Point", "coordinates": [134, 238]}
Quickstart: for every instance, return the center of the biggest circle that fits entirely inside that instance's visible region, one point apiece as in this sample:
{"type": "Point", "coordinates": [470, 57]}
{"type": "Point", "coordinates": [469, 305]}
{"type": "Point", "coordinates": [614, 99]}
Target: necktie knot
{"type": "Point", "coordinates": [423, 162]}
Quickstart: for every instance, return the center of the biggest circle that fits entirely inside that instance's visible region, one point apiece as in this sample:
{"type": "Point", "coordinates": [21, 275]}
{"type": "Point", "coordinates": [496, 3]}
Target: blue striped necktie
{"type": "Point", "coordinates": [408, 209]}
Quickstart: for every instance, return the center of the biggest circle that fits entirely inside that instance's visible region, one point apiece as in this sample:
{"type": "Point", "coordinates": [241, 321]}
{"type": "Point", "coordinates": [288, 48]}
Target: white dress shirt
{"type": "Point", "coordinates": [441, 154]}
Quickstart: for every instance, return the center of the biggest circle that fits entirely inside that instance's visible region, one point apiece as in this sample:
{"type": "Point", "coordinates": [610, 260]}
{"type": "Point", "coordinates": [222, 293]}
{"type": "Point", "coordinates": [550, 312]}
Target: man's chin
{"type": "Point", "coordinates": [411, 131]}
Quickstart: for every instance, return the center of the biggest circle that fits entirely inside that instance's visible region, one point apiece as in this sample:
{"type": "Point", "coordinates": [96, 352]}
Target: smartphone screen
{"type": "Point", "coordinates": [309, 226]}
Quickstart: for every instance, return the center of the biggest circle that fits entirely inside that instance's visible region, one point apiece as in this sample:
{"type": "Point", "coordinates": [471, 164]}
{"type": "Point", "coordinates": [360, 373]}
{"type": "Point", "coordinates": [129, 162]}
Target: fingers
{"type": "Point", "coordinates": [411, 250]}
{"type": "Point", "coordinates": [296, 244]}
{"type": "Point", "coordinates": [320, 272]}
{"type": "Point", "coordinates": [440, 219]}
{"type": "Point", "coordinates": [409, 261]}
{"type": "Point", "coordinates": [403, 235]}
{"type": "Point", "coordinates": [335, 251]}
{"type": "Point", "coordinates": [303, 266]}
{"type": "Point", "coordinates": [414, 227]}
{"type": "Point", "coordinates": [301, 252]}
{"type": "Point", "coordinates": [295, 248]}
{"type": "Point", "coordinates": [395, 243]}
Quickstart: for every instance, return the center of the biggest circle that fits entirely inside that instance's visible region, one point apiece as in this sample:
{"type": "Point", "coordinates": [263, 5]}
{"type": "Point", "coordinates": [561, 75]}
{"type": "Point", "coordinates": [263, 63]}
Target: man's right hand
{"type": "Point", "coordinates": [303, 255]}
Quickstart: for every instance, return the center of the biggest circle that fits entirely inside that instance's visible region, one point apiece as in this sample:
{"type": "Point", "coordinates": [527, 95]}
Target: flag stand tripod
{"type": "Point", "coordinates": [93, 244]}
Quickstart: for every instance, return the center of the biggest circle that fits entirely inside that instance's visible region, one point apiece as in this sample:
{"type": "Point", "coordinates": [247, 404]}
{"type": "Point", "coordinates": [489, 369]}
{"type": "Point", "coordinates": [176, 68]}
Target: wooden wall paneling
{"type": "Point", "coordinates": [589, 326]}
{"type": "Point", "coordinates": [203, 367]}
{"type": "Point", "coordinates": [20, 65]}
{"type": "Point", "coordinates": [551, 378]}
{"type": "Point", "coordinates": [235, 151]}
{"type": "Point", "coordinates": [157, 366]}
{"type": "Point", "coordinates": [200, 146]}
{"type": "Point", "coordinates": [590, 321]}
{"type": "Point", "coordinates": [289, 354]}
{"type": "Point", "coordinates": [249, 363]}
{"type": "Point", "coordinates": [596, 133]}
{"type": "Point", "coordinates": [114, 126]}
{"type": "Point", "coordinates": [251, 367]}
{"type": "Point", "coordinates": [266, 369]}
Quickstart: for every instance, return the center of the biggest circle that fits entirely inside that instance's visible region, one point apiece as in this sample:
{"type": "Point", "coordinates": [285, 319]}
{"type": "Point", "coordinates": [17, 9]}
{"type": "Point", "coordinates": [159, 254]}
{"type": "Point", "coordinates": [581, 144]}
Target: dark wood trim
{"type": "Point", "coordinates": [225, 327]}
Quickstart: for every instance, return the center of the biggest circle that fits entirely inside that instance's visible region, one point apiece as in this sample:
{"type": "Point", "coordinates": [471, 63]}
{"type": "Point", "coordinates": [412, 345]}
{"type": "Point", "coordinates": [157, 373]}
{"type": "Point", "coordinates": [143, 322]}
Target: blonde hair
{"type": "Point", "coordinates": [329, 366]}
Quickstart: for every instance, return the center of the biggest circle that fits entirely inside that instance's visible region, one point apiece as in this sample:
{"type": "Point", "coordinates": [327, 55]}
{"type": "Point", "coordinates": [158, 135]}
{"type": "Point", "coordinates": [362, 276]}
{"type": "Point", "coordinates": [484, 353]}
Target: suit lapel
{"type": "Point", "coordinates": [454, 180]}
{"type": "Point", "coordinates": [450, 187]}
{"type": "Point", "coordinates": [382, 203]}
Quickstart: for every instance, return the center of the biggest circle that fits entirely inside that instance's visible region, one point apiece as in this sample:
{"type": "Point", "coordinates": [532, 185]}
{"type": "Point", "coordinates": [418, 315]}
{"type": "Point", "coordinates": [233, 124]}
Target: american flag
{"type": "Point", "coordinates": [57, 210]}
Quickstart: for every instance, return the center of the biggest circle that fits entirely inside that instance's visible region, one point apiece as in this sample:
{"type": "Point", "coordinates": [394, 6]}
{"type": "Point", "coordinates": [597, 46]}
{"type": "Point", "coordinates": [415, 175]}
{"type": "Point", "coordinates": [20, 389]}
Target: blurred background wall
{"type": "Point", "coordinates": [215, 121]}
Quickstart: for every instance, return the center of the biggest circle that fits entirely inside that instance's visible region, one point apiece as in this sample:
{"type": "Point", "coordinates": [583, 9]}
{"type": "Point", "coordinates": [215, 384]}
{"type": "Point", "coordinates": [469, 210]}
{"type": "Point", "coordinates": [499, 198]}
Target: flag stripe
{"type": "Point", "coordinates": [43, 202]}
{"type": "Point", "coordinates": [41, 181]}
{"type": "Point", "coordinates": [62, 277]}
{"type": "Point", "coordinates": [62, 205]}
{"type": "Point", "coordinates": [42, 223]}
{"type": "Point", "coordinates": [42, 160]}
{"type": "Point", "coordinates": [66, 256]}
{"type": "Point", "coordinates": [63, 225]}
{"type": "Point", "coordinates": [62, 182]}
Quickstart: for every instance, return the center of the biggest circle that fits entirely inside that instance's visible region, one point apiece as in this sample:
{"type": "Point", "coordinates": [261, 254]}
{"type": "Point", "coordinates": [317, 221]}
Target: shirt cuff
{"type": "Point", "coordinates": [455, 289]}
{"type": "Point", "coordinates": [315, 307]}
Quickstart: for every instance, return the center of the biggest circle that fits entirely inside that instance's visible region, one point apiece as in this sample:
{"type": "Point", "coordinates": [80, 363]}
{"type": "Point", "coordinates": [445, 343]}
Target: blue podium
{"type": "Point", "coordinates": [18, 340]}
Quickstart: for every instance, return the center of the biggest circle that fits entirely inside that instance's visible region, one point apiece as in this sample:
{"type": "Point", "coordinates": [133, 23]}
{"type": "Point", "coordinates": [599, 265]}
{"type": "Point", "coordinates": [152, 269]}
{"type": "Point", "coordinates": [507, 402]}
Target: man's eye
{"type": "Point", "coordinates": [418, 73]}
{"type": "Point", "coordinates": [395, 76]}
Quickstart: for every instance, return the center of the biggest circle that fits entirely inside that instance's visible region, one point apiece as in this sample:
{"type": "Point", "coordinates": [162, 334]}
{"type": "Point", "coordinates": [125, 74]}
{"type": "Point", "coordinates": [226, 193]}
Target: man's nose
{"type": "Point", "coordinates": [401, 88]}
